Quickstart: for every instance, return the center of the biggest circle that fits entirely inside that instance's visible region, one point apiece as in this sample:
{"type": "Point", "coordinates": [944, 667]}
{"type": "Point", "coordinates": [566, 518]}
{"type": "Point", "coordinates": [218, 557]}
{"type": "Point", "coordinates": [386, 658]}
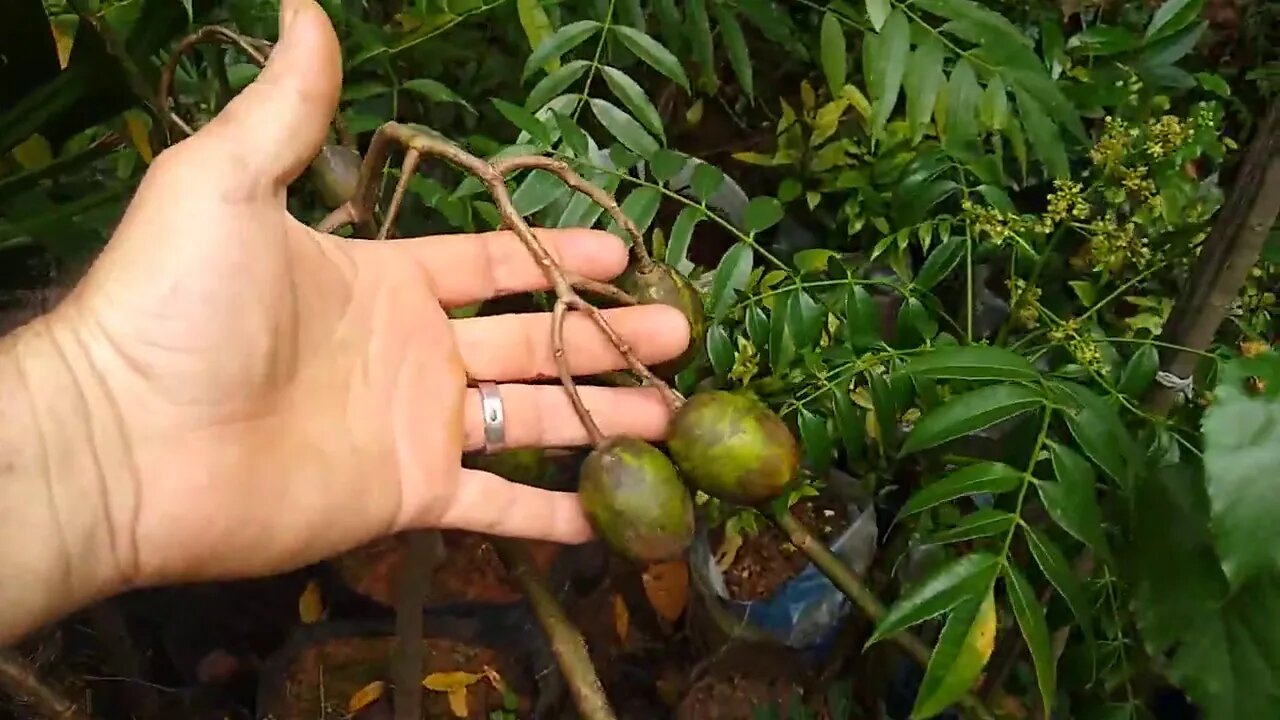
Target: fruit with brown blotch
{"type": "Point", "coordinates": [636, 501]}
{"type": "Point", "coordinates": [663, 284]}
{"type": "Point", "coordinates": [733, 447]}
{"type": "Point", "coordinates": [335, 172]}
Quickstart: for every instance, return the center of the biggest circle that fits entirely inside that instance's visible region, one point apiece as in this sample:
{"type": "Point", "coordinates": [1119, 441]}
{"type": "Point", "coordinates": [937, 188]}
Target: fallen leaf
{"type": "Point", "coordinates": [667, 587]}
{"type": "Point", "coordinates": [448, 681]}
{"type": "Point", "coordinates": [458, 702]}
{"type": "Point", "coordinates": [366, 696]}
{"type": "Point", "coordinates": [728, 550]}
{"type": "Point", "coordinates": [621, 618]}
{"type": "Point", "coordinates": [311, 604]}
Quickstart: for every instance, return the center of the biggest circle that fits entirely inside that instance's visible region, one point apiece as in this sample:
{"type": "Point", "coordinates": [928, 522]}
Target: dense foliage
{"type": "Point", "coordinates": [941, 238]}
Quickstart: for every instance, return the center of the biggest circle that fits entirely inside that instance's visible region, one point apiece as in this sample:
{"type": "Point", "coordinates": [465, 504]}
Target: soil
{"type": "Point", "coordinates": [767, 559]}
{"type": "Point", "coordinates": [738, 697]}
{"type": "Point", "coordinates": [470, 572]}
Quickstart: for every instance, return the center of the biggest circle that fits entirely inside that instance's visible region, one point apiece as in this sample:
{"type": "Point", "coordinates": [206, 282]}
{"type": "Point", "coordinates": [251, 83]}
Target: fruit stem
{"type": "Point", "coordinates": [844, 578]}
{"type": "Point", "coordinates": [567, 642]}
{"type": "Point", "coordinates": [558, 315]}
{"type": "Point", "coordinates": [411, 158]}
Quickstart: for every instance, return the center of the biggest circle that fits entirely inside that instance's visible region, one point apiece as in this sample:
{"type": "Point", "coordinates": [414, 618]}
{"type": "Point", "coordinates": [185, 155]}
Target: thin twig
{"type": "Point", "coordinates": [558, 315]}
{"type": "Point", "coordinates": [410, 165]}
{"type": "Point", "coordinates": [566, 641]}
{"type": "Point", "coordinates": [209, 34]}
{"type": "Point", "coordinates": [19, 679]}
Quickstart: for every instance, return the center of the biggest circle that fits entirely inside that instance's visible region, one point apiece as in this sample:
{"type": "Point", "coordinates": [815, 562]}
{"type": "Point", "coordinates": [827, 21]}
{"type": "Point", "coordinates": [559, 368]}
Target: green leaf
{"type": "Point", "coordinates": [1035, 630]}
{"type": "Point", "coordinates": [762, 213]}
{"type": "Point", "coordinates": [524, 120]}
{"type": "Point", "coordinates": [1096, 425]}
{"type": "Point", "coordinates": [983, 477]}
{"type": "Point", "coordinates": [735, 45]}
{"type": "Point", "coordinates": [963, 649]}
{"type": "Point", "coordinates": [886, 411]}
{"type": "Point", "coordinates": [940, 263]}
{"type": "Point", "coordinates": [877, 12]}
{"type": "Point", "coordinates": [861, 321]}
{"type": "Point", "coordinates": [720, 350]}
{"type": "Point", "coordinates": [1046, 141]}
{"type": "Point", "coordinates": [757, 326]}
{"type": "Point", "coordinates": [561, 41]}
{"type": "Point", "coordinates": [970, 412]}
{"type": "Point", "coordinates": [982, 23]}
{"type": "Point", "coordinates": [973, 362]}
{"type": "Point", "coordinates": [1072, 501]}
{"type": "Point", "coordinates": [652, 53]}
{"type": "Point", "coordinates": [894, 49]}
{"type": "Point", "coordinates": [537, 28]}
{"type": "Point", "coordinates": [555, 83]}
{"type": "Point", "coordinates": [1173, 16]}
{"type": "Point", "coordinates": [1055, 567]}
{"type": "Point", "coordinates": [851, 424]}
{"type": "Point", "coordinates": [622, 126]}
{"type": "Point", "coordinates": [573, 136]}
{"type": "Point", "coordinates": [1242, 452]}
{"type": "Point", "coordinates": [945, 588]}
{"type": "Point", "coordinates": [699, 26]}
{"type": "Point", "coordinates": [641, 206]}
{"type": "Point", "coordinates": [706, 181]}
{"type": "Point", "coordinates": [834, 56]}
{"type": "Point", "coordinates": [634, 97]}
{"type": "Point", "coordinates": [782, 345]}
{"type": "Point", "coordinates": [923, 82]}
{"type": "Point", "coordinates": [963, 97]}
{"type": "Point", "coordinates": [1139, 372]}
{"type": "Point", "coordinates": [730, 276]}
{"type": "Point", "coordinates": [682, 236]}
{"type": "Point", "coordinates": [915, 326]}
{"type": "Point", "coordinates": [1103, 40]}
{"type": "Point", "coordinates": [806, 317]}
{"type": "Point", "coordinates": [995, 105]}
{"type": "Point", "coordinates": [981, 523]}
{"type": "Point", "coordinates": [537, 191]}
{"type": "Point", "coordinates": [1161, 53]}
{"type": "Point", "coordinates": [816, 440]}
{"type": "Point", "coordinates": [581, 210]}
{"type": "Point", "coordinates": [1214, 84]}
{"type": "Point", "coordinates": [433, 90]}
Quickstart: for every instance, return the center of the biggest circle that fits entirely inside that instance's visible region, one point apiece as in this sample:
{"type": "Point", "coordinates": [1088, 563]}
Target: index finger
{"type": "Point", "coordinates": [468, 268]}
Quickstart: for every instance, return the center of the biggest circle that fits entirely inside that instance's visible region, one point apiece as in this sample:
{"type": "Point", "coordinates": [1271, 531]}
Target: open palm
{"type": "Point", "coordinates": [281, 395]}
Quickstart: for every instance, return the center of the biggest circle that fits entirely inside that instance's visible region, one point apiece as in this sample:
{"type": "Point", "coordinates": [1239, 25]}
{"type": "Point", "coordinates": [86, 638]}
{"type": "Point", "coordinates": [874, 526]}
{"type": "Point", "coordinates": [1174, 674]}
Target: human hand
{"type": "Point", "coordinates": [266, 396]}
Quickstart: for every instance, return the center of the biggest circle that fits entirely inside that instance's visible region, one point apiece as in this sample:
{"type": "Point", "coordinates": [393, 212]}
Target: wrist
{"type": "Point", "coordinates": [65, 479]}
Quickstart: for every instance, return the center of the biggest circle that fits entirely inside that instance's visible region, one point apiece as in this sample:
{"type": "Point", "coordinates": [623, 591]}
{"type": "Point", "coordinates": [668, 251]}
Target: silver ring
{"type": "Point", "coordinates": [495, 419]}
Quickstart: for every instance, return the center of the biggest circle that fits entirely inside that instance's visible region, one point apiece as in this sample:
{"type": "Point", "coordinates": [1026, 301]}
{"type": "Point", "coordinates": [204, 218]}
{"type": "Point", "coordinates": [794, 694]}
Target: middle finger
{"type": "Point", "coordinates": [518, 346]}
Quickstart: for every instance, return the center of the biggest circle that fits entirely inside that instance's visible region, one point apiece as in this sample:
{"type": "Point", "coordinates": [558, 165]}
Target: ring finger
{"type": "Point", "coordinates": [542, 416]}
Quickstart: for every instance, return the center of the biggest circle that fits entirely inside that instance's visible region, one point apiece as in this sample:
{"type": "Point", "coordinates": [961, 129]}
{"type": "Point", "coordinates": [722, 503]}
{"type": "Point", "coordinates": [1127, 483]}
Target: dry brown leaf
{"type": "Point", "coordinates": [728, 551]}
{"type": "Point", "coordinates": [495, 679]}
{"type": "Point", "coordinates": [667, 587]}
{"type": "Point", "coordinates": [366, 696]}
{"type": "Point", "coordinates": [621, 618]}
{"type": "Point", "coordinates": [448, 681]}
{"type": "Point", "coordinates": [458, 702]}
{"type": "Point", "coordinates": [311, 604]}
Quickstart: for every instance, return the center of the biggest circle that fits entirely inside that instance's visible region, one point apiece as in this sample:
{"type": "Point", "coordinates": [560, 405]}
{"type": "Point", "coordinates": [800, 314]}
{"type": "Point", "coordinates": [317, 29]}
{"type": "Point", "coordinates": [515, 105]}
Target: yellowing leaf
{"type": "Point", "coordinates": [64, 34]}
{"type": "Point", "coordinates": [667, 587]}
{"type": "Point", "coordinates": [827, 120]}
{"type": "Point", "coordinates": [449, 681]}
{"type": "Point", "coordinates": [982, 636]}
{"type": "Point", "coordinates": [728, 550]}
{"type": "Point", "coordinates": [366, 696]}
{"type": "Point", "coordinates": [621, 618]}
{"type": "Point", "coordinates": [537, 27]}
{"type": "Point", "coordinates": [458, 702]}
{"type": "Point", "coordinates": [311, 604]}
{"type": "Point", "coordinates": [858, 100]}
{"type": "Point", "coordinates": [139, 126]}
{"type": "Point", "coordinates": [34, 153]}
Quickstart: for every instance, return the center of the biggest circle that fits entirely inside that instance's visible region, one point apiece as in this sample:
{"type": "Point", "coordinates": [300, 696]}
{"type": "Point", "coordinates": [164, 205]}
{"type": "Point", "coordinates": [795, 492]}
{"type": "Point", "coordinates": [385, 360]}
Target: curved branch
{"type": "Point", "coordinates": [22, 681]}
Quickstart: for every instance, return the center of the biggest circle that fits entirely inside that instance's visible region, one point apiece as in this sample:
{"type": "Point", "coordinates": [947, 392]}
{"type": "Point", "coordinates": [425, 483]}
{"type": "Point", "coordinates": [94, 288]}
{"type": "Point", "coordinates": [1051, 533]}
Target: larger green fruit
{"type": "Point", "coordinates": [733, 447]}
{"type": "Point", "coordinates": [526, 466]}
{"type": "Point", "coordinates": [635, 500]}
{"type": "Point", "coordinates": [663, 284]}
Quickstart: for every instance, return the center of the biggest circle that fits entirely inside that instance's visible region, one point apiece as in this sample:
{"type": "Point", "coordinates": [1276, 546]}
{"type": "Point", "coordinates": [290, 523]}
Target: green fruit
{"type": "Point", "coordinates": [663, 284]}
{"type": "Point", "coordinates": [635, 500]}
{"type": "Point", "coordinates": [526, 466]}
{"type": "Point", "coordinates": [733, 447]}
{"type": "Point", "coordinates": [336, 171]}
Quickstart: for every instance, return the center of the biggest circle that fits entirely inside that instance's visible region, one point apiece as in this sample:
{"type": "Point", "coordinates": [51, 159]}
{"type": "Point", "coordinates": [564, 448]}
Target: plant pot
{"type": "Point", "coordinates": [804, 612]}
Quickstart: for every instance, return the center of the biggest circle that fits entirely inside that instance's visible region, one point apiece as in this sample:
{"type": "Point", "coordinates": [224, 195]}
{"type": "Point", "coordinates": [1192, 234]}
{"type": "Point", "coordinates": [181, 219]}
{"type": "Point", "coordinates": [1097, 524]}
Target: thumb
{"type": "Point", "coordinates": [277, 124]}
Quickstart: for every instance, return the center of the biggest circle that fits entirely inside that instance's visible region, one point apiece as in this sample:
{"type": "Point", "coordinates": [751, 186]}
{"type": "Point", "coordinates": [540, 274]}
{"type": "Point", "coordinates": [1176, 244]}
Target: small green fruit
{"type": "Point", "coordinates": [336, 171]}
{"type": "Point", "coordinates": [663, 284]}
{"type": "Point", "coordinates": [635, 500]}
{"type": "Point", "coordinates": [733, 447]}
{"type": "Point", "coordinates": [529, 466]}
